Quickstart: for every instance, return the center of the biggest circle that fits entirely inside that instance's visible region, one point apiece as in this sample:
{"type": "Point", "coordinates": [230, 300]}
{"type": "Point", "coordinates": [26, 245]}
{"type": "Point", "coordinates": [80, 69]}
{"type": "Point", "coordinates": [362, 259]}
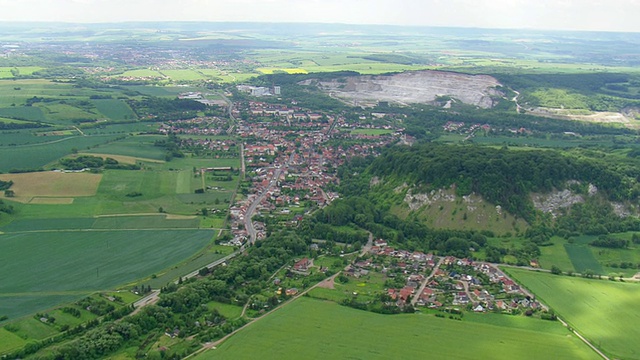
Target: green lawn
{"type": "Point", "coordinates": [227, 310]}
{"type": "Point", "coordinates": [368, 288]}
{"type": "Point", "coordinates": [63, 318]}
{"type": "Point", "coordinates": [10, 341]}
{"type": "Point", "coordinates": [603, 311]}
{"type": "Point", "coordinates": [315, 329]}
{"type": "Point", "coordinates": [32, 328]}
{"type": "Point", "coordinates": [48, 265]}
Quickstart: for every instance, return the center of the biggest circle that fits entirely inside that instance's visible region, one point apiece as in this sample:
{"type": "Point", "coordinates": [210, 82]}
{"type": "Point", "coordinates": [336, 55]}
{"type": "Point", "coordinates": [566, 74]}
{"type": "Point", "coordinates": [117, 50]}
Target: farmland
{"type": "Point", "coordinates": [135, 146]}
{"type": "Point", "coordinates": [12, 72]}
{"type": "Point", "coordinates": [75, 263]}
{"type": "Point", "coordinates": [52, 184]}
{"type": "Point", "coordinates": [320, 329]}
{"type": "Point", "coordinates": [114, 109]}
{"type": "Point", "coordinates": [37, 155]}
{"type": "Point", "coordinates": [10, 341]}
{"type": "Point", "coordinates": [182, 75]}
{"type": "Point", "coordinates": [605, 312]}
{"type": "Point", "coordinates": [69, 235]}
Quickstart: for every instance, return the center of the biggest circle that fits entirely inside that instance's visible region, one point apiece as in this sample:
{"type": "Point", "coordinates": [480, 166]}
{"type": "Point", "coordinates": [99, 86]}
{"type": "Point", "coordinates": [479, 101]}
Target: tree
{"type": "Point", "coordinates": [9, 193]}
{"type": "Point", "coordinates": [555, 270]}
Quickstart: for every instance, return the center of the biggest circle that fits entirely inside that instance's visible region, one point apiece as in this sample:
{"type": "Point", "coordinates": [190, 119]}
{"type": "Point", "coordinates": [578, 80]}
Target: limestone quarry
{"type": "Point", "coordinates": [413, 87]}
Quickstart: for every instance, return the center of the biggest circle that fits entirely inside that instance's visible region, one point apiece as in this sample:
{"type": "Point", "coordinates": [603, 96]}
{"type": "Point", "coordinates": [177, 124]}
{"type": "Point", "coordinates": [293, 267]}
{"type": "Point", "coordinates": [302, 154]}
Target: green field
{"type": "Point", "coordinates": [31, 113]}
{"type": "Point", "coordinates": [182, 75]}
{"type": "Point", "coordinates": [34, 156]}
{"type": "Point", "coordinates": [6, 72]}
{"type": "Point", "coordinates": [582, 258]}
{"type": "Point", "coordinates": [12, 121]}
{"type": "Point", "coordinates": [555, 255]}
{"type": "Point", "coordinates": [603, 311]}
{"type": "Point", "coordinates": [10, 341]}
{"type": "Point", "coordinates": [118, 128]}
{"type": "Point", "coordinates": [140, 146]}
{"type": "Point", "coordinates": [227, 310]}
{"type": "Point", "coordinates": [316, 329]}
{"type": "Point", "coordinates": [114, 109]}
{"type": "Point", "coordinates": [144, 222]}
{"type": "Point", "coordinates": [143, 73]}
{"type": "Point", "coordinates": [171, 91]}
{"type": "Point", "coordinates": [101, 223]}
{"type": "Point", "coordinates": [49, 267]}
{"type": "Point", "coordinates": [65, 114]}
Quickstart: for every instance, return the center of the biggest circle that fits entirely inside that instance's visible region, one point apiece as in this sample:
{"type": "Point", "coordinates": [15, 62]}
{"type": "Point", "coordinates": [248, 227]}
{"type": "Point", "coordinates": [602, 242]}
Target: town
{"type": "Point", "coordinates": [289, 154]}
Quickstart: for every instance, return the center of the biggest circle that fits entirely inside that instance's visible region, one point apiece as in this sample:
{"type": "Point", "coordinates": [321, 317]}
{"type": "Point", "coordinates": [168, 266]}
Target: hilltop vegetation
{"type": "Point", "coordinates": [376, 189]}
{"type": "Point", "coordinates": [501, 176]}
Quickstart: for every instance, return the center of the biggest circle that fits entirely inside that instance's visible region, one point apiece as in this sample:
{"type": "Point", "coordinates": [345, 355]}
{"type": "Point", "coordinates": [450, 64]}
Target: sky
{"type": "Point", "coordinates": [598, 15]}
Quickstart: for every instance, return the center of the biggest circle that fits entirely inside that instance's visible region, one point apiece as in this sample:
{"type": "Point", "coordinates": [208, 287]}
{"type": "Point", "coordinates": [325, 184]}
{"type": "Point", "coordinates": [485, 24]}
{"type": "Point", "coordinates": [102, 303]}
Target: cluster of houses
{"type": "Point", "coordinates": [443, 282]}
{"type": "Point", "coordinates": [285, 112]}
{"type": "Point", "coordinates": [207, 125]}
{"type": "Point", "coordinates": [455, 126]}
{"type": "Point", "coordinates": [298, 152]}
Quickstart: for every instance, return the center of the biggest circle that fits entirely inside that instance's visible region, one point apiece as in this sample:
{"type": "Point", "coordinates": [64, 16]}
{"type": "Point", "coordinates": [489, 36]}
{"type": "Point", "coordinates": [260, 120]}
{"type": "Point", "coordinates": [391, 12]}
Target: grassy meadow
{"type": "Point", "coordinates": [477, 214]}
{"type": "Point", "coordinates": [605, 312]}
{"type": "Point", "coordinates": [317, 329]}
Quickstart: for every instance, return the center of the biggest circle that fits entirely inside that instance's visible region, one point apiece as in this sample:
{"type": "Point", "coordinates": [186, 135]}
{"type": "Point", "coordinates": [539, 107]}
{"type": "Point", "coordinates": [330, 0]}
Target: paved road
{"type": "Point", "coordinates": [248, 224]}
{"type": "Point", "coordinates": [584, 340]}
{"type": "Point", "coordinates": [243, 167]}
{"type": "Point", "coordinates": [367, 247]}
{"type": "Point", "coordinates": [425, 282]}
{"type": "Point", "coordinates": [154, 295]}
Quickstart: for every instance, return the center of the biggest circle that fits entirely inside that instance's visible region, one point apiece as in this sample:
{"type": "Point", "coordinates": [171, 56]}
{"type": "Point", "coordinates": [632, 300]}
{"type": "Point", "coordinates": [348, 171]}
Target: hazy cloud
{"type": "Point", "coordinates": [610, 15]}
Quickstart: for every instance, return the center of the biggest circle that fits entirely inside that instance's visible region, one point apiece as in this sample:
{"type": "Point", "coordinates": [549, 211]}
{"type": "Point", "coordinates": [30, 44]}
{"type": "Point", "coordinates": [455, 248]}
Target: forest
{"type": "Point", "coordinates": [501, 176]}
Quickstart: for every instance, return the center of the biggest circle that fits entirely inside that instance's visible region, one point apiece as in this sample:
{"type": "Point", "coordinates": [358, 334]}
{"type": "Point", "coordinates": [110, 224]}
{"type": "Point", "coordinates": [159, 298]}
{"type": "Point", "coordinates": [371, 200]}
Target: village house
{"type": "Point", "coordinates": [302, 265]}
